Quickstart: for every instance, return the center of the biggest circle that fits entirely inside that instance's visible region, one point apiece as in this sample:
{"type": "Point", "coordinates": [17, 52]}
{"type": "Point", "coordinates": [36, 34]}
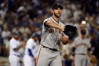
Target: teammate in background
{"type": "Point", "coordinates": [14, 47]}
{"type": "Point", "coordinates": [81, 44]}
{"type": "Point", "coordinates": [31, 51]}
{"type": "Point", "coordinates": [52, 35]}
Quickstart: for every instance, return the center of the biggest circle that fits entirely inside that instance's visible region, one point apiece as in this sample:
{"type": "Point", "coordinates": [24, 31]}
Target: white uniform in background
{"type": "Point", "coordinates": [81, 46]}
{"type": "Point", "coordinates": [14, 56]}
{"type": "Point", "coordinates": [29, 60]}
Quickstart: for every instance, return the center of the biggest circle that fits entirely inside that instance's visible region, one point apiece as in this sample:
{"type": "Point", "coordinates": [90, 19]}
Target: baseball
{"type": "Point", "coordinates": [83, 22]}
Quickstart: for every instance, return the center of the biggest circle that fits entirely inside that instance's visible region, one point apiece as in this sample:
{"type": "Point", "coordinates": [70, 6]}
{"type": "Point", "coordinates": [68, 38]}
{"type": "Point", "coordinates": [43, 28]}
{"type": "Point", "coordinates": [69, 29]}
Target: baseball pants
{"type": "Point", "coordinates": [14, 60]}
{"type": "Point", "coordinates": [28, 61]}
{"type": "Point", "coordinates": [49, 58]}
{"type": "Point", "coordinates": [80, 60]}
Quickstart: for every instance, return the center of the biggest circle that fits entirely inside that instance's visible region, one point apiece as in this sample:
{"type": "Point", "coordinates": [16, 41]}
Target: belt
{"type": "Point", "coordinates": [50, 48]}
{"type": "Point", "coordinates": [81, 54]}
{"type": "Point", "coordinates": [16, 55]}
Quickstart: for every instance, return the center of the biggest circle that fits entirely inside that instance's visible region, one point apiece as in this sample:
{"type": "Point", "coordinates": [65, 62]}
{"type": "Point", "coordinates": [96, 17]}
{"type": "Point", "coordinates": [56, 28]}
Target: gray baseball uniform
{"type": "Point", "coordinates": [81, 46]}
{"type": "Point", "coordinates": [49, 54]}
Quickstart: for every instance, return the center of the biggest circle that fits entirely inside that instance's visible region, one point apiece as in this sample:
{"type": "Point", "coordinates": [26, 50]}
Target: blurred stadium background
{"type": "Point", "coordinates": [27, 17]}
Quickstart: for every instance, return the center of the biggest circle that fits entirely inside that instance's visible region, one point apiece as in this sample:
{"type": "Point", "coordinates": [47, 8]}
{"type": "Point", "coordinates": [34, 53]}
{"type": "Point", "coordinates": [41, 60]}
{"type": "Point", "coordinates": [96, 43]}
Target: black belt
{"type": "Point", "coordinates": [81, 54]}
{"type": "Point", "coordinates": [49, 48]}
{"type": "Point", "coordinates": [16, 55]}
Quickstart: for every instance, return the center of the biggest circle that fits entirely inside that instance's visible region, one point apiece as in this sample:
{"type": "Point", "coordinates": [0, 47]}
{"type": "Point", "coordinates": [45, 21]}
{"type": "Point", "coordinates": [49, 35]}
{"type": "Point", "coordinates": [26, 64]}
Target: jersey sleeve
{"type": "Point", "coordinates": [46, 20]}
{"type": "Point", "coordinates": [44, 29]}
{"type": "Point", "coordinates": [30, 52]}
{"type": "Point", "coordinates": [14, 45]}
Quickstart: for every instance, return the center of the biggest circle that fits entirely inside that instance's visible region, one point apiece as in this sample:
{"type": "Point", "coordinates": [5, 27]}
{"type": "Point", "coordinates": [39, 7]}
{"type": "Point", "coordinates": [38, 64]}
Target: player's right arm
{"type": "Point", "coordinates": [53, 24]}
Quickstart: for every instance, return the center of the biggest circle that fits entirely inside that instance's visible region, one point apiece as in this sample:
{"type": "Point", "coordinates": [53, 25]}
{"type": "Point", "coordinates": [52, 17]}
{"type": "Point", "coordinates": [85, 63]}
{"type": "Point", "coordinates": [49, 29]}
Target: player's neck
{"type": "Point", "coordinates": [82, 37]}
{"type": "Point", "coordinates": [34, 39]}
{"type": "Point", "coordinates": [56, 19]}
{"type": "Point", "coordinates": [15, 38]}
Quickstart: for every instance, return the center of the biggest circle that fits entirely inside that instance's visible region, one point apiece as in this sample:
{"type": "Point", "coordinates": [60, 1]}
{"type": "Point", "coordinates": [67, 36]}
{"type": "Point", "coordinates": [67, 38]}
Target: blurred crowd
{"type": "Point", "coordinates": [27, 16]}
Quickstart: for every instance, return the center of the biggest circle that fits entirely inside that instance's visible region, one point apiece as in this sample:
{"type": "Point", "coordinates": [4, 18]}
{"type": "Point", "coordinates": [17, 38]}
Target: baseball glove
{"type": "Point", "coordinates": [71, 31]}
{"type": "Point", "coordinates": [93, 59]}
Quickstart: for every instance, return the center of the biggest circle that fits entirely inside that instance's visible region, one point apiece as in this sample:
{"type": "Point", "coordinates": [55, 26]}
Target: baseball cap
{"type": "Point", "coordinates": [57, 5]}
{"type": "Point", "coordinates": [83, 32]}
{"type": "Point", "coordinates": [35, 35]}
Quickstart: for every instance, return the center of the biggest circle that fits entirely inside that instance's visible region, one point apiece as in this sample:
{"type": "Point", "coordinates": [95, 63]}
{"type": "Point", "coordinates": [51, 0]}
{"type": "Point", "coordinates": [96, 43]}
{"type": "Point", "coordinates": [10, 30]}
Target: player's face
{"type": "Point", "coordinates": [36, 38]}
{"type": "Point", "coordinates": [16, 37]}
{"type": "Point", "coordinates": [57, 12]}
{"type": "Point", "coordinates": [83, 36]}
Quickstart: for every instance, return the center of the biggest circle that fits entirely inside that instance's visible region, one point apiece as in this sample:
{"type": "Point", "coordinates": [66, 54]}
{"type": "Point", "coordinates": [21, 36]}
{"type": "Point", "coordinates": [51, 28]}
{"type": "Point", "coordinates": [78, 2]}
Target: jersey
{"type": "Point", "coordinates": [31, 45]}
{"type": "Point", "coordinates": [81, 45]}
{"type": "Point", "coordinates": [51, 39]}
{"type": "Point", "coordinates": [14, 44]}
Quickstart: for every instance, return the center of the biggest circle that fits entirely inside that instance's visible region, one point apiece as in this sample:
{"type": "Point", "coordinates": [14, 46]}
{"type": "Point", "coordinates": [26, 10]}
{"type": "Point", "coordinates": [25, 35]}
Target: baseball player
{"type": "Point", "coordinates": [31, 51]}
{"type": "Point", "coordinates": [81, 44]}
{"type": "Point", "coordinates": [15, 46]}
{"type": "Point", "coordinates": [49, 54]}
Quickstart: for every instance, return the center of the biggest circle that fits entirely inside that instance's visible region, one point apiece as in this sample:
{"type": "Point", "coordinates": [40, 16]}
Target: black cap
{"type": "Point", "coordinates": [57, 5]}
{"type": "Point", "coordinates": [16, 33]}
{"type": "Point", "coordinates": [35, 35]}
{"type": "Point", "coordinates": [83, 32]}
